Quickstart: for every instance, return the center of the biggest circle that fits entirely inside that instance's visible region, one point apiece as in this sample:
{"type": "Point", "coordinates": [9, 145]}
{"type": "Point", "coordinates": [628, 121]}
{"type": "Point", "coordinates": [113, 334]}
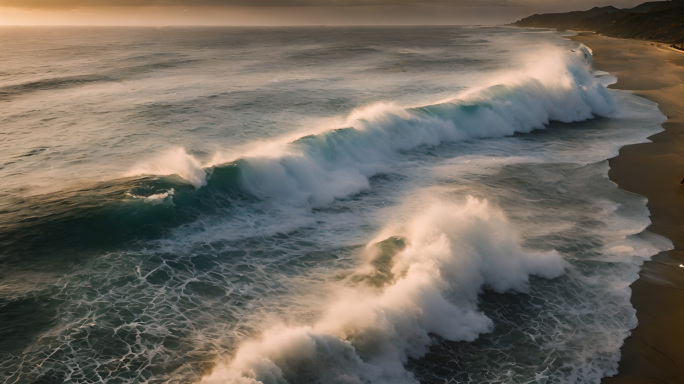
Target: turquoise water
{"type": "Point", "coordinates": [314, 205]}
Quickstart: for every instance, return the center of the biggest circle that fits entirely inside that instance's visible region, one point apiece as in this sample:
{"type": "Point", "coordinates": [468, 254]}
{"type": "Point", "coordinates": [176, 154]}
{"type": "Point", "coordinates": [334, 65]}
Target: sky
{"type": "Point", "coordinates": [283, 12]}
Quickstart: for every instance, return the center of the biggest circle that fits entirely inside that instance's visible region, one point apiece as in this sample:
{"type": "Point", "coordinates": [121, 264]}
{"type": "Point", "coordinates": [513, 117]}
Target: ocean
{"type": "Point", "coordinates": [314, 205]}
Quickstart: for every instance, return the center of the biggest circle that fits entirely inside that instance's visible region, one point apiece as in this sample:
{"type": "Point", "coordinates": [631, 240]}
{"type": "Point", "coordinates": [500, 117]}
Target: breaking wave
{"type": "Point", "coordinates": [421, 282]}
{"type": "Point", "coordinates": [316, 169]}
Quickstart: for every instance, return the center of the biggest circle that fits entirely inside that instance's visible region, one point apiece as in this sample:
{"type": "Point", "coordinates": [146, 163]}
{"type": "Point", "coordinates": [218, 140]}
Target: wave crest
{"type": "Point", "coordinates": [174, 161]}
{"type": "Point", "coordinates": [316, 169]}
{"type": "Point", "coordinates": [452, 252]}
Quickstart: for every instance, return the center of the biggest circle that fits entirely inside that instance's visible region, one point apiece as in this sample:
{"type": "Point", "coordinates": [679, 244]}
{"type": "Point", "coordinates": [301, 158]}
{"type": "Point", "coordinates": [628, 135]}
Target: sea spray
{"type": "Point", "coordinates": [317, 169]}
{"type": "Point", "coordinates": [369, 331]}
{"type": "Point", "coordinates": [156, 277]}
{"type": "Point", "coordinates": [174, 161]}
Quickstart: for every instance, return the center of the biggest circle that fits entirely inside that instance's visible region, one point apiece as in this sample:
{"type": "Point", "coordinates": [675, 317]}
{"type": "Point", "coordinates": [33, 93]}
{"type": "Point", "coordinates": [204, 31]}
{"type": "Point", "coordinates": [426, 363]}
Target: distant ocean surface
{"type": "Point", "coordinates": [313, 205]}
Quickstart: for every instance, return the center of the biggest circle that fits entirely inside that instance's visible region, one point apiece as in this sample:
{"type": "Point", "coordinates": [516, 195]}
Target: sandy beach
{"type": "Point", "coordinates": [655, 351]}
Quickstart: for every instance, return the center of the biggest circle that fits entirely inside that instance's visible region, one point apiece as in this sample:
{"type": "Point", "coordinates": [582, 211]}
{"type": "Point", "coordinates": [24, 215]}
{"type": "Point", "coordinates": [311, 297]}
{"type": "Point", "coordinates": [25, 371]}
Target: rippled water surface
{"type": "Point", "coordinates": [313, 205]}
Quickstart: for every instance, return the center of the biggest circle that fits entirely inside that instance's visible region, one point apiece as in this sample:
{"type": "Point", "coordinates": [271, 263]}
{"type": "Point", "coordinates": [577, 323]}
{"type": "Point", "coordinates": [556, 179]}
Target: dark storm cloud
{"type": "Point", "coordinates": [240, 3]}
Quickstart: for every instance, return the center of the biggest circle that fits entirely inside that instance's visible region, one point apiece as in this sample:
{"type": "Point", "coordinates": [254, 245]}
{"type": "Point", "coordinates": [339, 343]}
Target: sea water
{"type": "Point", "coordinates": [314, 205]}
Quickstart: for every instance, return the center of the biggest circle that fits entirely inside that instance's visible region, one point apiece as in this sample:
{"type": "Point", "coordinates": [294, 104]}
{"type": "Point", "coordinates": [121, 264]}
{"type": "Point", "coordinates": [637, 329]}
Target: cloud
{"type": "Point", "coordinates": [241, 3]}
{"type": "Point", "coordinates": [283, 12]}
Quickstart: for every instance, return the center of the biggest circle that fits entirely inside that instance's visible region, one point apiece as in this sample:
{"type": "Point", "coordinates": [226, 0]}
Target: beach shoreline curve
{"type": "Point", "coordinates": [654, 353]}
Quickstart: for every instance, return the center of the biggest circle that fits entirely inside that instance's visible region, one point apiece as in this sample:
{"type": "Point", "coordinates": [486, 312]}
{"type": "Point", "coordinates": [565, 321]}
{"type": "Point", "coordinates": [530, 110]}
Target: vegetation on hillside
{"type": "Point", "coordinates": [657, 20]}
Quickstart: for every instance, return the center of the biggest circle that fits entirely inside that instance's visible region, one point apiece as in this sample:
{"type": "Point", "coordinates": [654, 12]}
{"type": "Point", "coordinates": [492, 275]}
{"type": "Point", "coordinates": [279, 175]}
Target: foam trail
{"type": "Point", "coordinates": [426, 281]}
{"type": "Point", "coordinates": [154, 198]}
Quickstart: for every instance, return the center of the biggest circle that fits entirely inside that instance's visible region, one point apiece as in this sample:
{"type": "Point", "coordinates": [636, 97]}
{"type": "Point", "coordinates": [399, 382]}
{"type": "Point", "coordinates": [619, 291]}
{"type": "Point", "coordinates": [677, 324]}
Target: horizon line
{"type": "Point", "coordinates": [249, 25]}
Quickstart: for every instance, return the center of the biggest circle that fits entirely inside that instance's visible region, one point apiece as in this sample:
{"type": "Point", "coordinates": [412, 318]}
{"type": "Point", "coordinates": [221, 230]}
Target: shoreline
{"type": "Point", "coordinates": [654, 353]}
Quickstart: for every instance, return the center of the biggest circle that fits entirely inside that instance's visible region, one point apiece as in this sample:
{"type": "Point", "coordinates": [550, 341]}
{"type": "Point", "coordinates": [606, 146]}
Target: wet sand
{"type": "Point", "coordinates": [655, 351]}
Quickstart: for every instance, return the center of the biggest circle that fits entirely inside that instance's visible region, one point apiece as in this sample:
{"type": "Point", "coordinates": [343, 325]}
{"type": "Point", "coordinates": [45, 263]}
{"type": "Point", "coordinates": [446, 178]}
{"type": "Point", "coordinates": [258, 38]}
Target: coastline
{"type": "Point", "coordinates": [654, 353]}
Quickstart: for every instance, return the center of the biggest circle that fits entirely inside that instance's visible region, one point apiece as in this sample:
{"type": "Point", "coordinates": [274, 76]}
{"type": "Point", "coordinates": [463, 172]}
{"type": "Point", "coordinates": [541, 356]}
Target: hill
{"type": "Point", "coordinates": [657, 20]}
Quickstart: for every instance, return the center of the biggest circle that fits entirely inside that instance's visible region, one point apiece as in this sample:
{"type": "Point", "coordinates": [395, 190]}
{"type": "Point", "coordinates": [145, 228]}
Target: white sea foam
{"type": "Point", "coordinates": [154, 198]}
{"type": "Point", "coordinates": [338, 163]}
{"type": "Point", "coordinates": [367, 333]}
{"type": "Point", "coordinates": [317, 169]}
{"type": "Point", "coordinates": [170, 304]}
